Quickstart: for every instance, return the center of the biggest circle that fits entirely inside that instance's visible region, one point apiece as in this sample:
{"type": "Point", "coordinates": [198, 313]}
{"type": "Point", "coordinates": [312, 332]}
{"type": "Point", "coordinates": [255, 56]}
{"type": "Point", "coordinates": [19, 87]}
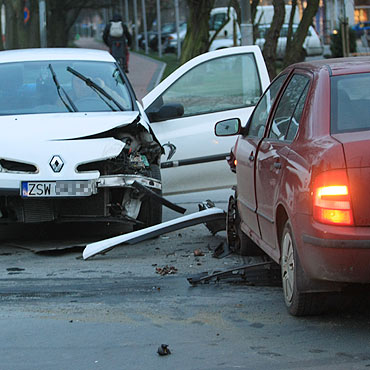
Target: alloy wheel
{"type": "Point", "coordinates": [287, 267]}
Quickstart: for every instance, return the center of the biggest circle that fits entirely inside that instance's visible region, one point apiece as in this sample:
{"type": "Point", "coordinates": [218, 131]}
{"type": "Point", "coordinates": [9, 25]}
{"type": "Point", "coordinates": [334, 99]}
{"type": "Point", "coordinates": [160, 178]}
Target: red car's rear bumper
{"type": "Point", "coordinates": [334, 253]}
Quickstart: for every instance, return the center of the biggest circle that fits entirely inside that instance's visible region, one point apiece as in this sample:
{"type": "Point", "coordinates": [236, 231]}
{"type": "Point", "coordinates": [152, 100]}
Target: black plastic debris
{"type": "Point", "coordinates": [221, 251]}
{"type": "Point", "coordinates": [15, 269]}
{"type": "Point", "coordinates": [163, 350]}
{"type": "Point", "coordinates": [241, 271]}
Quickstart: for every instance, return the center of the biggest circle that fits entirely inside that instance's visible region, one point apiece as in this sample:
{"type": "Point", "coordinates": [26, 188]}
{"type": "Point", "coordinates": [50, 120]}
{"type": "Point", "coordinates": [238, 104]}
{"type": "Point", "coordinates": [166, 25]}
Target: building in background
{"type": "Point", "coordinates": [362, 11]}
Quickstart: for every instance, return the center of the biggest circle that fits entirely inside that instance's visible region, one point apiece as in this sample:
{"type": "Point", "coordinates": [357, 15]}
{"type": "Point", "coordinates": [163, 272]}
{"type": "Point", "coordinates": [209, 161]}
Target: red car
{"type": "Point", "coordinates": [303, 178]}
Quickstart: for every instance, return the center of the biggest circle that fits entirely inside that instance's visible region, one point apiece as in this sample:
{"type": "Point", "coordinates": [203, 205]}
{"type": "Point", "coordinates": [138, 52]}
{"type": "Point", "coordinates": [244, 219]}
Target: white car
{"type": "Point", "coordinates": [171, 39]}
{"type": "Point", "coordinates": [74, 141]}
{"type": "Point", "coordinates": [312, 44]}
{"type": "Point", "coordinates": [77, 146]}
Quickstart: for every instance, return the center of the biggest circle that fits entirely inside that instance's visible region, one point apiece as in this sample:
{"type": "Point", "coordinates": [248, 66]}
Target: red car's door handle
{"type": "Point", "coordinates": [277, 165]}
{"type": "Point", "coordinates": [251, 157]}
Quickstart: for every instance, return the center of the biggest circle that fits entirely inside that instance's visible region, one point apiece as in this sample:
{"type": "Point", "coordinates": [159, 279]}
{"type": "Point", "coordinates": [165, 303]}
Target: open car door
{"type": "Point", "coordinates": [184, 108]}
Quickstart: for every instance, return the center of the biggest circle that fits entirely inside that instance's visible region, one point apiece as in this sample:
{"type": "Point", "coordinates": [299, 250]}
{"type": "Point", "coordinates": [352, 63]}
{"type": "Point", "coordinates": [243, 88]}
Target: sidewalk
{"type": "Point", "coordinates": [144, 72]}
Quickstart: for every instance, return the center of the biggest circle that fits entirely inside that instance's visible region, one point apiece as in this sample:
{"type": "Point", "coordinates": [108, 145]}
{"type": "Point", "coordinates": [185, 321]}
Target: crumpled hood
{"type": "Point", "coordinates": [61, 126]}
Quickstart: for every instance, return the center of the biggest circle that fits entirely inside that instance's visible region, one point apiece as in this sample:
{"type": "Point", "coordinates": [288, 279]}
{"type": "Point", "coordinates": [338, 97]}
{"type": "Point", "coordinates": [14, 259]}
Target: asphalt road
{"type": "Point", "coordinates": [114, 310]}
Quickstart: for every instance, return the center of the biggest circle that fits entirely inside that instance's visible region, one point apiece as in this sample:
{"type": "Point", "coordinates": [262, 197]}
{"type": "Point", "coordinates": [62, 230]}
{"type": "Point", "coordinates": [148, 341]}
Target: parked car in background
{"type": "Point", "coordinates": [224, 21]}
{"type": "Point", "coordinates": [168, 32]}
{"type": "Point", "coordinates": [302, 163]}
{"type": "Point", "coordinates": [171, 40]}
{"type": "Point", "coordinates": [312, 44]}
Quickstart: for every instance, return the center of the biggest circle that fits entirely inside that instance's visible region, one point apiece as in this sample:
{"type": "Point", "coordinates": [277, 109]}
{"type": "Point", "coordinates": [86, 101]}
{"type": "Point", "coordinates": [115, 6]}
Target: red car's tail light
{"type": "Point", "coordinates": [331, 198]}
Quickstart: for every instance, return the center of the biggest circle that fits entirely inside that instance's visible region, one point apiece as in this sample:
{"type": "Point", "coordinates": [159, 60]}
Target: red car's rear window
{"type": "Point", "coordinates": [350, 103]}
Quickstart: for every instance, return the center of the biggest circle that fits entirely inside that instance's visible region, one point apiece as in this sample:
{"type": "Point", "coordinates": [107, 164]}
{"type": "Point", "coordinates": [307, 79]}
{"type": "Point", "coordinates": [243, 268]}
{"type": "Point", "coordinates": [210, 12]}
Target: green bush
{"type": "Point", "coordinates": [336, 47]}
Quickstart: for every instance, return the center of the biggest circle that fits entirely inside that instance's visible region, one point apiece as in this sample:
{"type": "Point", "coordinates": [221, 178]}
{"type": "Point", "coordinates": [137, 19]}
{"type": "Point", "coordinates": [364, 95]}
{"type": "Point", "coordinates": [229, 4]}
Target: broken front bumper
{"type": "Point", "coordinates": [70, 206]}
{"type": "Point", "coordinates": [122, 181]}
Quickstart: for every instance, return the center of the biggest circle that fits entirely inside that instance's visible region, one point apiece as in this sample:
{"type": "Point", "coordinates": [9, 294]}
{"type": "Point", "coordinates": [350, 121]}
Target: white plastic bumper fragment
{"type": "Point", "coordinates": [137, 236]}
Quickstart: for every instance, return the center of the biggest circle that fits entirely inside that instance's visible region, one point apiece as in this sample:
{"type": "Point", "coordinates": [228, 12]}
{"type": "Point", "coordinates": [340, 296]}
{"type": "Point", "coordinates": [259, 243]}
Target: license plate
{"type": "Point", "coordinates": [42, 189]}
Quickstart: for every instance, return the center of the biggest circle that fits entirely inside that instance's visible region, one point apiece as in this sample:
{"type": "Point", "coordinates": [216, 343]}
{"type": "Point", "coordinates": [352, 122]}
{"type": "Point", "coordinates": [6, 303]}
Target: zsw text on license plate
{"type": "Point", "coordinates": [57, 189]}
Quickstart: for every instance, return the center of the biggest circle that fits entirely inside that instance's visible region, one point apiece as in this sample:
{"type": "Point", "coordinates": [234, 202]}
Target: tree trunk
{"type": "Point", "coordinates": [14, 19]}
{"type": "Point", "coordinates": [57, 35]}
{"type": "Point", "coordinates": [272, 35]}
{"type": "Point", "coordinates": [289, 36]}
{"type": "Point", "coordinates": [296, 52]}
{"type": "Point", "coordinates": [253, 16]}
{"type": "Point", "coordinates": [197, 36]}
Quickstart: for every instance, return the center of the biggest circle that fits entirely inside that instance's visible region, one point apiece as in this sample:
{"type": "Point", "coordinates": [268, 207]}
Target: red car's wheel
{"type": "Point", "coordinates": [298, 303]}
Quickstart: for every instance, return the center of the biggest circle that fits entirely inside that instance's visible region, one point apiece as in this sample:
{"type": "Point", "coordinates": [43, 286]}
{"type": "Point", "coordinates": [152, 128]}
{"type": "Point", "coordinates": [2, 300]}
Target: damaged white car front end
{"type": "Point", "coordinates": [72, 155]}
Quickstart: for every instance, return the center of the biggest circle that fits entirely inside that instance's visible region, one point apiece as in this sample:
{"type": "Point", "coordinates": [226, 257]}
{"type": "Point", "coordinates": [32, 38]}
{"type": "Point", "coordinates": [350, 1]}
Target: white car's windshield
{"type": "Point", "coordinates": [49, 87]}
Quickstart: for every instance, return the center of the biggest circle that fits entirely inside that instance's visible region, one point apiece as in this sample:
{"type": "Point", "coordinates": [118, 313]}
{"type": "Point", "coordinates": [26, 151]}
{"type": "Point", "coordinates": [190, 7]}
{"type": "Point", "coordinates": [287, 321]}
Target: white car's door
{"type": "Point", "coordinates": [184, 108]}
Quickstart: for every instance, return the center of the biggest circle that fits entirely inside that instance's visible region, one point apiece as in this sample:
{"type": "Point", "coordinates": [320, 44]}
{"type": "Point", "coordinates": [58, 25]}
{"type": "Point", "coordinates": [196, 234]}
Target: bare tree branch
{"type": "Point", "coordinates": [295, 54]}
{"type": "Point", "coordinates": [272, 36]}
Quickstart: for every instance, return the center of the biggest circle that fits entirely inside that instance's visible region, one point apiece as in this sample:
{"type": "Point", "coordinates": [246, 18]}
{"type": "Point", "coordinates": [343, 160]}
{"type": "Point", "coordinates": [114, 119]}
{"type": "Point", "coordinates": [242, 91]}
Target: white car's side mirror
{"type": "Point", "coordinates": [228, 127]}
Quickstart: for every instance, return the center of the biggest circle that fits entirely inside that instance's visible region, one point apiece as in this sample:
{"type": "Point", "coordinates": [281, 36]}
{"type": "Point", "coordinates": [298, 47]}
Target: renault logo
{"type": "Point", "coordinates": [56, 163]}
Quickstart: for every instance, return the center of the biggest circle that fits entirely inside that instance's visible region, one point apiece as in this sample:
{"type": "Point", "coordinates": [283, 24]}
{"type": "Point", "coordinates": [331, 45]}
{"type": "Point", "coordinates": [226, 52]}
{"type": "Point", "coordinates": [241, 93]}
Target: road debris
{"type": "Point", "coordinates": [140, 235]}
{"type": "Point", "coordinates": [158, 198]}
{"type": "Point", "coordinates": [213, 226]}
{"type": "Point", "coordinates": [241, 271]}
{"type": "Point", "coordinates": [221, 251]}
{"type": "Point", "coordinates": [198, 253]}
{"type": "Point", "coordinates": [166, 270]}
{"type": "Point", "coordinates": [15, 269]}
{"type": "Point", "coordinates": [163, 350]}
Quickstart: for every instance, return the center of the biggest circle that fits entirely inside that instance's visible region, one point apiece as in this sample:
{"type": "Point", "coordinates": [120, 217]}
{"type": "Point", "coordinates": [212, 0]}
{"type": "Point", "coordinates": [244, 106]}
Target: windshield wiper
{"type": "Point", "coordinates": [57, 84]}
{"type": "Point", "coordinates": [96, 88]}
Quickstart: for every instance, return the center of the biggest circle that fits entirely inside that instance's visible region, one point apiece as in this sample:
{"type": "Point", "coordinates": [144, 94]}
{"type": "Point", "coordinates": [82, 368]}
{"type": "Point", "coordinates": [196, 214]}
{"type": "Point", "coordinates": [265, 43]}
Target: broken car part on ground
{"type": "Point", "coordinates": [206, 215]}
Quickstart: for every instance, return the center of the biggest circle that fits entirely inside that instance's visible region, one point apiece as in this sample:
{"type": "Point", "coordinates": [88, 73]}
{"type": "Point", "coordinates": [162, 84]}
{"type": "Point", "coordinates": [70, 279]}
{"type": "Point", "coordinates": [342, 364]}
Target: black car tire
{"type": "Point", "coordinates": [151, 211]}
{"type": "Point", "coordinates": [237, 240]}
{"type": "Point", "coordinates": [297, 303]}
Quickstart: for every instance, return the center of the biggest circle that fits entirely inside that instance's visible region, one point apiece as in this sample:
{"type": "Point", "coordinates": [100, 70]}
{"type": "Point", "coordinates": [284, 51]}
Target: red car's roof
{"type": "Point", "coordinates": [338, 66]}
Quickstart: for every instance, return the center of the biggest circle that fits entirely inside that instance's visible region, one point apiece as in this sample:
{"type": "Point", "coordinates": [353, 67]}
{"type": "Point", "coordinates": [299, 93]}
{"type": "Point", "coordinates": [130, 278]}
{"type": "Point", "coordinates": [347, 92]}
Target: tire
{"type": "Point", "coordinates": [297, 303]}
{"type": "Point", "coordinates": [237, 240]}
{"type": "Point", "coordinates": [151, 211]}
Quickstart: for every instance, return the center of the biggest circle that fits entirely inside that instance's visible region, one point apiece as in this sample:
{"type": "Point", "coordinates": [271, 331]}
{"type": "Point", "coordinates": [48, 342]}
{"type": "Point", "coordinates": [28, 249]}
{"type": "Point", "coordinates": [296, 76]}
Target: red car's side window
{"type": "Point", "coordinates": [289, 110]}
{"type": "Point", "coordinates": [294, 123]}
{"type": "Point", "coordinates": [258, 121]}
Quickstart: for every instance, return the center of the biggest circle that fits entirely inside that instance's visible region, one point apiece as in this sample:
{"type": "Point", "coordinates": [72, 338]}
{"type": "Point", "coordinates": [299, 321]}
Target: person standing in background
{"type": "Point", "coordinates": [117, 37]}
